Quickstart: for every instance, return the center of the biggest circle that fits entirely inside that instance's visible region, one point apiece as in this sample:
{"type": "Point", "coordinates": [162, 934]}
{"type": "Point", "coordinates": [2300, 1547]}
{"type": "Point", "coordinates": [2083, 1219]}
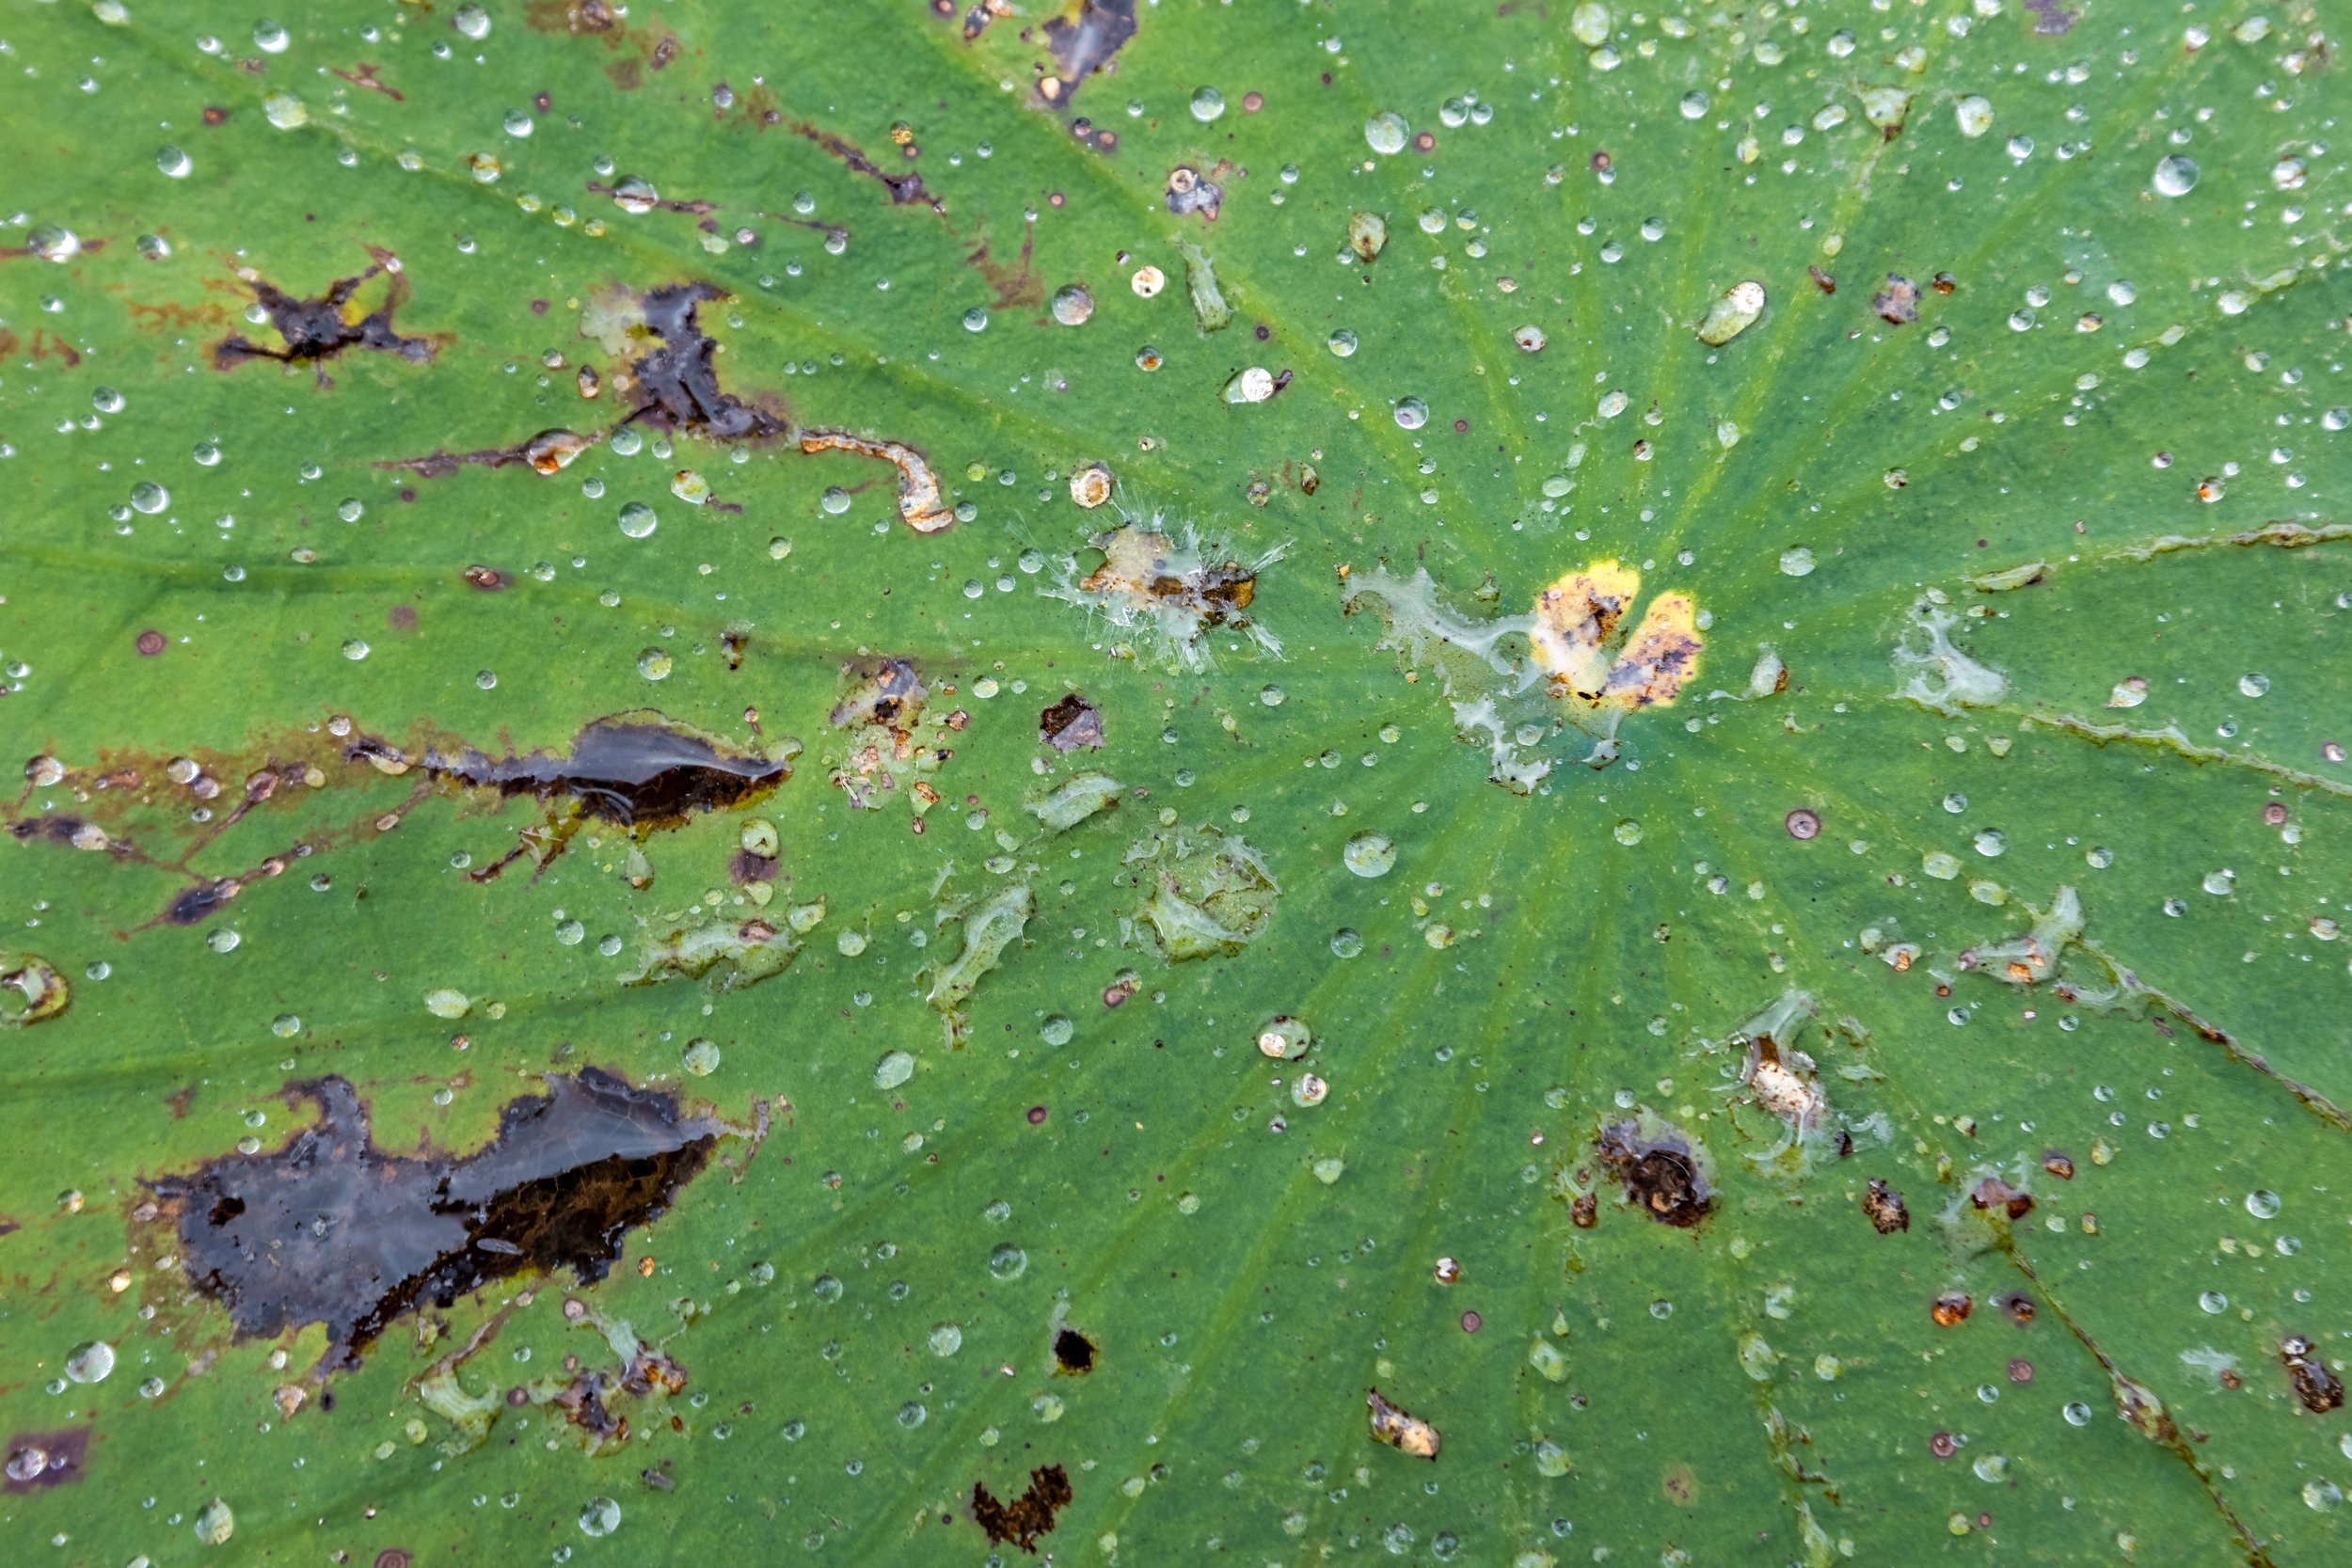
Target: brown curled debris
{"type": "Point", "coordinates": [333, 1228]}
{"type": "Point", "coordinates": [905, 189]}
{"type": "Point", "coordinates": [312, 331]}
{"type": "Point", "coordinates": [2319, 1388]}
{"type": "Point", "coordinates": [1885, 1206]}
{"type": "Point", "coordinates": [1585, 1212]}
{"type": "Point", "coordinates": [1029, 1515]}
{"type": "Point", "coordinates": [1952, 1308]}
{"type": "Point", "coordinates": [365, 79]}
{"type": "Point", "coordinates": [919, 501]}
{"type": "Point", "coordinates": [1822, 280]}
{"type": "Point", "coordinates": [1399, 1429]}
{"type": "Point", "coordinates": [1662, 1171]}
{"type": "Point", "coordinates": [1069, 725]}
{"type": "Point", "coordinates": [1899, 302]}
{"type": "Point", "coordinates": [1084, 45]}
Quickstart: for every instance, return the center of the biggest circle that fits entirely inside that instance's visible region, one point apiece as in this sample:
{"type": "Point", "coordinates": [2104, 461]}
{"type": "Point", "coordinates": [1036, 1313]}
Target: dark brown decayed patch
{"type": "Point", "coordinates": [1071, 723]}
{"type": "Point", "coordinates": [313, 331]}
{"type": "Point", "coordinates": [332, 1229]}
{"type": "Point", "coordinates": [1661, 1175]}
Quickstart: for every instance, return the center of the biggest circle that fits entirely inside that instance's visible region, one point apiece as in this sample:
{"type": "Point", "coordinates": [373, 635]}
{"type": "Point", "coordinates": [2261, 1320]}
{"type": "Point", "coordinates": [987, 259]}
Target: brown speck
{"type": "Point", "coordinates": [1822, 280]}
{"type": "Point", "coordinates": [1952, 1308]}
{"type": "Point", "coordinates": [2018, 1309]}
{"type": "Point", "coordinates": [1943, 283]}
{"type": "Point", "coordinates": [151, 644]}
{"type": "Point", "coordinates": [401, 617]}
{"type": "Point", "coordinates": [2058, 1164]}
{"type": "Point", "coordinates": [1662, 1172]}
{"type": "Point", "coordinates": [1994, 1196]}
{"type": "Point", "coordinates": [538, 306]}
{"type": "Point", "coordinates": [489, 579]}
{"type": "Point", "coordinates": [1461, 427]}
{"type": "Point", "coordinates": [1424, 142]}
{"type": "Point", "coordinates": [1073, 1353]}
{"type": "Point", "coordinates": [1471, 1322]}
{"type": "Point", "coordinates": [1943, 1444]}
{"type": "Point", "coordinates": [1603, 163]}
{"type": "Point", "coordinates": [1585, 1212]}
{"type": "Point", "coordinates": [2275, 813]}
{"type": "Point", "coordinates": [1036, 1115]}
{"type": "Point", "coordinates": [215, 115]}
{"type": "Point", "coordinates": [1448, 1271]}
{"type": "Point", "coordinates": [1803, 823]}
{"type": "Point", "coordinates": [2020, 1371]}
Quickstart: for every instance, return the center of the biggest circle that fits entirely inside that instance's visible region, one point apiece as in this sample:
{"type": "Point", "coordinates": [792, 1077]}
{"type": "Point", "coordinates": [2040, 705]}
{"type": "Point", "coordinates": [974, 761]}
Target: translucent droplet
{"type": "Point", "coordinates": [1412, 413]}
{"type": "Point", "coordinates": [654, 664]}
{"type": "Point", "coordinates": [1008, 1262]}
{"type": "Point", "coordinates": [600, 1517]}
{"type": "Point", "coordinates": [638, 520]}
{"type": "Point", "coordinates": [895, 1069]}
{"type": "Point", "coordinates": [1386, 132]}
{"type": "Point", "coordinates": [1072, 305]}
{"type": "Point", "coordinates": [2175, 176]}
{"type": "Point", "coordinates": [173, 162]}
{"type": "Point", "coordinates": [149, 497]}
{"type": "Point", "coordinates": [91, 1362]}
{"type": "Point", "coordinates": [355, 649]}
{"type": "Point", "coordinates": [2262, 1203]}
{"type": "Point", "coordinates": [1207, 103]}
{"type": "Point", "coordinates": [700, 1057]}
{"type": "Point", "coordinates": [1342, 343]}
{"type": "Point", "coordinates": [1369, 854]}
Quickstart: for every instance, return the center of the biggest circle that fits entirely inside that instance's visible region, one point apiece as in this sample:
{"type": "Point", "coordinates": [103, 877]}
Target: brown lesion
{"type": "Point", "coordinates": [1885, 1206]}
{"type": "Point", "coordinates": [638, 772]}
{"type": "Point", "coordinates": [1012, 286]}
{"type": "Point", "coordinates": [1020, 1522]}
{"type": "Point", "coordinates": [648, 49]}
{"type": "Point", "coordinates": [906, 189]}
{"type": "Point", "coordinates": [2308, 1373]}
{"type": "Point", "coordinates": [366, 80]}
{"type": "Point", "coordinates": [312, 331]}
{"type": "Point", "coordinates": [40, 1460]}
{"type": "Point", "coordinates": [1071, 724]}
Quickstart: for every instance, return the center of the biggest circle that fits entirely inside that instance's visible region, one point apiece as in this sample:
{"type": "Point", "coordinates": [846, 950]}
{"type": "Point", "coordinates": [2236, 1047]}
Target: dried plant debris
{"type": "Point", "coordinates": [888, 740]}
{"type": "Point", "coordinates": [1665, 1173]}
{"type": "Point", "coordinates": [674, 378]}
{"type": "Point", "coordinates": [988, 926]}
{"type": "Point", "coordinates": [1206, 894]}
{"type": "Point", "coordinates": [332, 1229]}
{"type": "Point", "coordinates": [596, 1402]}
{"type": "Point", "coordinates": [2032, 958]}
{"type": "Point", "coordinates": [725, 953]}
{"type": "Point", "coordinates": [1168, 589]}
{"type": "Point", "coordinates": [1071, 724]}
{"type": "Point", "coordinates": [1071, 801]}
{"type": "Point", "coordinates": [1515, 682]}
{"type": "Point", "coordinates": [1210, 311]}
{"type": "Point", "coordinates": [1083, 42]}
{"type": "Point", "coordinates": [1195, 192]}
{"type": "Point", "coordinates": [1885, 1206]}
{"type": "Point", "coordinates": [1936, 674]}
{"type": "Point", "coordinates": [1020, 1522]}
{"type": "Point", "coordinates": [312, 331]}
{"type": "Point", "coordinates": [1399, 1429]}
{"type": "Point", "coordinates": [2318, 1388]}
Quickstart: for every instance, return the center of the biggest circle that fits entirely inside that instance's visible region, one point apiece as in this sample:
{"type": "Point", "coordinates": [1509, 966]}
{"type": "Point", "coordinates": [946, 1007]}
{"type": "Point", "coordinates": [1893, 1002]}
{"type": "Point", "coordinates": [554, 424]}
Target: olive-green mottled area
{"type": "Point", "coordinates": [2115, 356]}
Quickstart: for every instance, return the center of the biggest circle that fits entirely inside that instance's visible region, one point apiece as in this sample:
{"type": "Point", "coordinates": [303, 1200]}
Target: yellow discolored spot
{"type": "Point", "coordinates": [1576, 621]}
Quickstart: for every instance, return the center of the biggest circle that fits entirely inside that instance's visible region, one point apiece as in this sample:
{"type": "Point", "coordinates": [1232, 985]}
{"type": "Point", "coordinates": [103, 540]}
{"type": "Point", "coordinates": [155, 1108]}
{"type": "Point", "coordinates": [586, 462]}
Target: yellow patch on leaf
{"type": "Point", "coordinates": [1576, 622]}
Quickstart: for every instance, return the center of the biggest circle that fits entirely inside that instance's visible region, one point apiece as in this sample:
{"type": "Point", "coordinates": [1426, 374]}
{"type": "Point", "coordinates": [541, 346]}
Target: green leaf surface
{"type": "Point", "coordinates": [889, 782]}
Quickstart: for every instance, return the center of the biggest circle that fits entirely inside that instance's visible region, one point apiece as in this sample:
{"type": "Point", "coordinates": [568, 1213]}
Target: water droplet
{"type": "Point", "coordinates": [1386, 132]}
{"type": "Point", "coordinates": [1412, 413]}
{"type": "Point", "coordinates": [700, 1057]}
{"type": "Point", "coordinates": [269, 38]}
{"type": "Point", "coordinates": [895, 1069]}
{"type": "Point", "coordinates": [1008, 1262]}
{"type": "Point", "coordinates": [149, 497]}
{"type": "Point", "coordinates": [472, 21]}
{"type": "Point", "coordinates": [1796, 562]}
{"type": "Point", "coordinates": [976, 320]}
{"type": "Point", "coordinates": [1072, 305]}
{"type": "Point", "coordinates": [638, 520]}
{"type": "Point", "coordinates": [600, 1517]}
{"type": "Point", "coordinates": [1369, 854]}
{"type": "Point", "coordinates": [946, 1338]}
{"type": "Point", "coordinates": [2262, 1203]}
{"type": "Point", "coordinates": [1207, 103]}
{"type": "Point", "coordinates": [355, 649]}
{"type": "Point", "coordinates": [654, 664]}
{"type": "Point", "coordinates": [2253, 685]}
{"type": "Point", "coordinates": [1056, 1030]}
{"type": "Point", "coordinates": [2175, 176]}
{"type": "Point", "coordinates": [173, 162]}
{"type": "Point", "coordinates": [91, 1362]}
{"type": "Point", "coordinates": [1342, 343]}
